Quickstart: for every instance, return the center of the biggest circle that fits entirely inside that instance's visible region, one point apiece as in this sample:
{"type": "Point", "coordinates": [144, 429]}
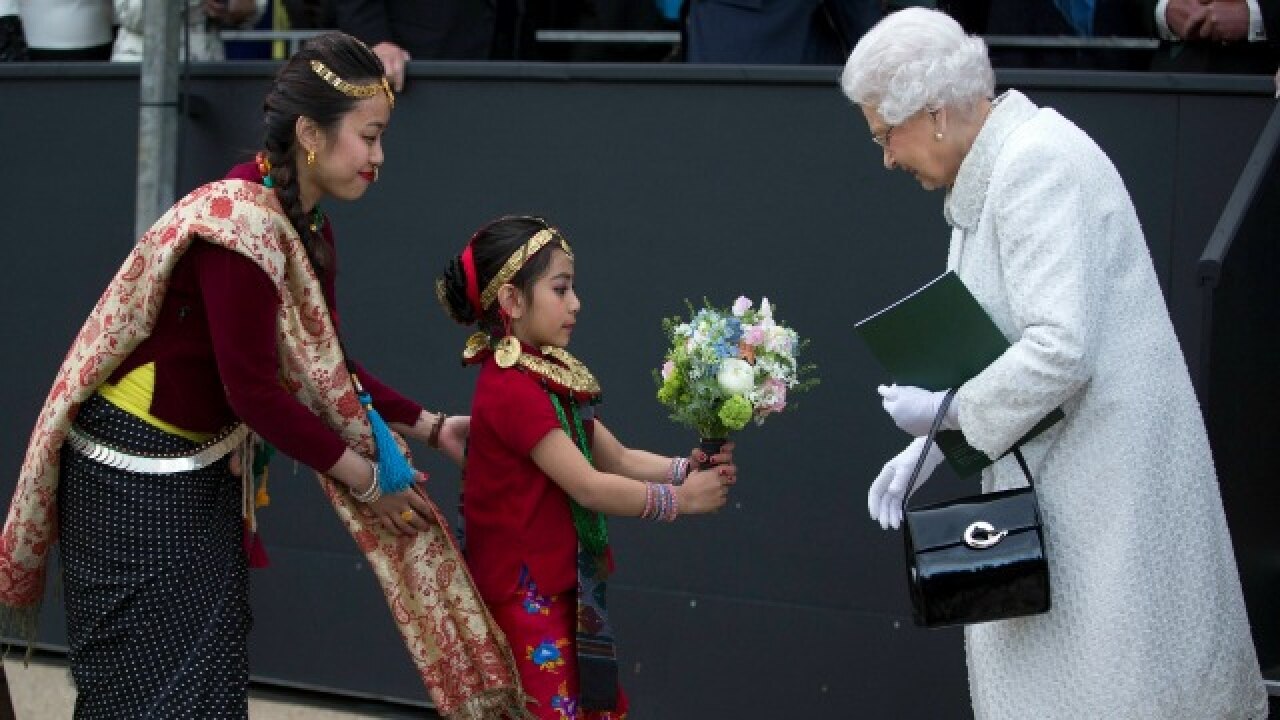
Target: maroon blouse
{"type": "Point", "coordinates": [214, 349]}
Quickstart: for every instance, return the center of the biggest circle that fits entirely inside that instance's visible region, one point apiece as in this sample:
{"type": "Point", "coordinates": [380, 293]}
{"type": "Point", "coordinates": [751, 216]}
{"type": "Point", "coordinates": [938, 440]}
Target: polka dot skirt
{"type": "Point", "coordinates": [155, 580]}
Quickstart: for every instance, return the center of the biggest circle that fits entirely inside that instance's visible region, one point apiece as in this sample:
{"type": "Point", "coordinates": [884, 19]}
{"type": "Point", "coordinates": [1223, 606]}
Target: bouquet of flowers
{"type": "Point", "coordinates": [726, 368]}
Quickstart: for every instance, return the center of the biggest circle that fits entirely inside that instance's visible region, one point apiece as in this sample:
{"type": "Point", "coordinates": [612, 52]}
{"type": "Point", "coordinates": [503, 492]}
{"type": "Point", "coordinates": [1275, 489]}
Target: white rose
{"type": "Point", "coordinates": [779, 340]}
{"type": "Point", "coordinates": [736, 376]}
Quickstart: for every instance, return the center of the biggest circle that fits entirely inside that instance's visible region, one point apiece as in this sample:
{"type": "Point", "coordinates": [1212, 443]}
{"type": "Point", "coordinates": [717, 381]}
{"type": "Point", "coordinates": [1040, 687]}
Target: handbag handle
{"type": "Point", "coordinates": [933, 433]}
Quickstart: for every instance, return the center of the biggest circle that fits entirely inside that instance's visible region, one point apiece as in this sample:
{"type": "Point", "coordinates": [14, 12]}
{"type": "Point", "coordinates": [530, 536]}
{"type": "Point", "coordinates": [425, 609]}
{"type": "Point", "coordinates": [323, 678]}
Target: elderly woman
{"type": "Point", "coordinates": [1147, 618]}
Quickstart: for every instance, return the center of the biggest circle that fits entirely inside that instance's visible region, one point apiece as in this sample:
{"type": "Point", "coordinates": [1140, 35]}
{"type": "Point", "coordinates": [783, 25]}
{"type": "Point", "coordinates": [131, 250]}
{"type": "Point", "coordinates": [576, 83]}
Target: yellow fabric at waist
{"type": "Point", "coordinates": [133, 395]}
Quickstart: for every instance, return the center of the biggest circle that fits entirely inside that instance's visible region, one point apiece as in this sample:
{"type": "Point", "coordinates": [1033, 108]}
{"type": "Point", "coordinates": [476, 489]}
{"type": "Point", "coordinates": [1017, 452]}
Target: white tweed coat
{"type": "Point", "coordinates": [1148, 620]}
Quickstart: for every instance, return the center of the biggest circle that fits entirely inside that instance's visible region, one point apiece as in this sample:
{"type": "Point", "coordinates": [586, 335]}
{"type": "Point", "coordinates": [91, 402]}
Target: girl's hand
{"type": "Point", "coordinates": [404, 513]}
{"type": "Point", "coordinates": [698, 459]}
{"type": "Point", "coordinates": [453, 437]}
{"type": "Point", "coordinates": [706, 490]}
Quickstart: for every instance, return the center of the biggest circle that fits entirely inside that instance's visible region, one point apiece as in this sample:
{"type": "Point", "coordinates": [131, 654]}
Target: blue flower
{"type": "Point", "coordinates": [735, 330]}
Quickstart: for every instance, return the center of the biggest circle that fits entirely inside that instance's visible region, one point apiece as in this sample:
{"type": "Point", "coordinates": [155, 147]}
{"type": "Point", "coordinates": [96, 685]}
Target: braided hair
{"type": "Point", "coordinates": [298, 91]}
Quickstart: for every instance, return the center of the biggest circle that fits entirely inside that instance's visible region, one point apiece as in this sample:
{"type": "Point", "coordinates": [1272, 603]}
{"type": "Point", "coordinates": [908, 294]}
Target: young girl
{"type": "Point", "coordinates": [542, 471]}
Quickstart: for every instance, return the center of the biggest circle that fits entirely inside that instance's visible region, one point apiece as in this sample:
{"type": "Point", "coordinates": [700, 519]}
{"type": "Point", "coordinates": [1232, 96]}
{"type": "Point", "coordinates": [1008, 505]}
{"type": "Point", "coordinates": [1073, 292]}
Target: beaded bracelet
{"type": "Point", "coordinates": [660, 503]}
{"type": "Point", "coordinates": [673, 508]}
{"type": "Point", "coordinates": [647, 513]}
{"type": "Point", "coordinates": [682, 471]}
{"type": "Point", "coordinates": [374, 491]}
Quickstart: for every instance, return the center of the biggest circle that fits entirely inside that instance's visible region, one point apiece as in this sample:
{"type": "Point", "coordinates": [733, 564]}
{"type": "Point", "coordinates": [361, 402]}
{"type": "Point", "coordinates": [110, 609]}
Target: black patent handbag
{"type": "Point", "coordinates": [975, 559]}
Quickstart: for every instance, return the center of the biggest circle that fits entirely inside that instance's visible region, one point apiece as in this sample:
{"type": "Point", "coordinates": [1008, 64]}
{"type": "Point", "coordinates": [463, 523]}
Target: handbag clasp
{"type": "Point", "coordinates": [982, 535]}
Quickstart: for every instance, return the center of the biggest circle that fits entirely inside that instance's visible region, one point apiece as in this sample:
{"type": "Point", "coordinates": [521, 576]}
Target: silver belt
{"type": "Point", "coordinates": [158, 464]}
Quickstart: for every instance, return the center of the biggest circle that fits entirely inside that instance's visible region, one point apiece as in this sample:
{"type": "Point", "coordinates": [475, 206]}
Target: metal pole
{"type": "Point", "coordinates": [157, 112]}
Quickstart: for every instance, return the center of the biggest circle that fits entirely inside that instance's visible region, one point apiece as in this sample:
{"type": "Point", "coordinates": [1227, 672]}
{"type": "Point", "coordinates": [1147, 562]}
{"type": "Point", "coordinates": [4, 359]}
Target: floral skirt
{"type": "Point", "coordinates": [540, 630]}
{"type": "Point", "coordinates": [154, 579]}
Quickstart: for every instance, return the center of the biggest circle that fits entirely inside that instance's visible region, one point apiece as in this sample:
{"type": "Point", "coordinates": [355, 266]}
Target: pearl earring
{"type": "Point", "coordinates": [937, 136]}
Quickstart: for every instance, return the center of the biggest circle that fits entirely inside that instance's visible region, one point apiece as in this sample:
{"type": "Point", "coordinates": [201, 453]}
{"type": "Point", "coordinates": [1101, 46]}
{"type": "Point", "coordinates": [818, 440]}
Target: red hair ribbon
{"type": "Point", "coordinates": [473, 282]}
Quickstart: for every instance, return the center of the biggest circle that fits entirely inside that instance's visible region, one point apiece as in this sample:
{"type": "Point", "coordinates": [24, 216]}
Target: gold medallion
{"type": "Point", "coordinates": [507, 352]}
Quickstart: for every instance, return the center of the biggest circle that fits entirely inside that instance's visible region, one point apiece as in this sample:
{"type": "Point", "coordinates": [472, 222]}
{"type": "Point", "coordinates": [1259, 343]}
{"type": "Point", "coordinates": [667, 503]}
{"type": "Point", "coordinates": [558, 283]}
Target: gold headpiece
{"type": "Point", "coordinates": [517, 260]}
{"type": "Point", "coordinates": [346, 88]}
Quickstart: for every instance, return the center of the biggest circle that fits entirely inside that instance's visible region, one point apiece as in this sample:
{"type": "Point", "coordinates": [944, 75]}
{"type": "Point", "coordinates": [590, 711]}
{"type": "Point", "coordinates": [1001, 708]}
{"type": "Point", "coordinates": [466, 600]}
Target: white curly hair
{"type": "Point", "coordinates": [917, 58]}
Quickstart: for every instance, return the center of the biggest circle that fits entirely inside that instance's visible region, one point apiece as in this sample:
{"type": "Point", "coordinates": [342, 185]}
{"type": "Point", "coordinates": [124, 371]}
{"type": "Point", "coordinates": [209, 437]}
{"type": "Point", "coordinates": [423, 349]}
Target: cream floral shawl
{"type": "Point", "coordinates": [461, 655]}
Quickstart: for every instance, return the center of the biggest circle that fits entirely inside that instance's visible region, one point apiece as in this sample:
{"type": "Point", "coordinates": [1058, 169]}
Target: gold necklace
{"type": "Point", "coordinates": [567, 372]}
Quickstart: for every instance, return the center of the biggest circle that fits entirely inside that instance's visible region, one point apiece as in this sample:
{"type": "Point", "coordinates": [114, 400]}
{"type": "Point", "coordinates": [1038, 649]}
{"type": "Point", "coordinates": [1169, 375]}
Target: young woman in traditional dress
{"type": "Point", "coordinates": [542, 472]}
{"type": "Point", "coordinates": [220, 326]}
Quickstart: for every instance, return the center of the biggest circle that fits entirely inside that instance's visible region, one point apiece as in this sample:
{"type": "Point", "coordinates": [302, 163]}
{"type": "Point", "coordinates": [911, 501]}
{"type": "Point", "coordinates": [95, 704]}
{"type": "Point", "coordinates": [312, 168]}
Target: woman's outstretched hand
{"type": "Point", "coordinates": [707, 490]}
{"type": "Point", "coordinates": [405, 512]}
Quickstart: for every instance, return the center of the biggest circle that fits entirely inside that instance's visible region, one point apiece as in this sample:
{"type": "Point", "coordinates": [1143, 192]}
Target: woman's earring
{"type": "Point", "coordinates": [938, 136]}
{"type": "Point", "coordinates": [311, 157]}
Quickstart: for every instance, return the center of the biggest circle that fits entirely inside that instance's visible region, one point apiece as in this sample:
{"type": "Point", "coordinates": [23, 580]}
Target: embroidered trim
{"type": "Point", "coordinates": [566, 374]}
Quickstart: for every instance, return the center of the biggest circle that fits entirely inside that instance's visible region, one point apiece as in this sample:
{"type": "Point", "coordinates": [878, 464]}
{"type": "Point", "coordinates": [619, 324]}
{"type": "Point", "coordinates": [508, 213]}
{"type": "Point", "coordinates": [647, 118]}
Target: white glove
{"type": "Point", "coordinates": [885, 498]}
{"type": "Point", "coordinates": [913, 409]}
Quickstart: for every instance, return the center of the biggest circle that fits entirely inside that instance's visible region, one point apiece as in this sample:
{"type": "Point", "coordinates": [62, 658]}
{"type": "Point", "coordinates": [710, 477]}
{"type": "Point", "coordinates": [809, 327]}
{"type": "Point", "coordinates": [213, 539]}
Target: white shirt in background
{"type": "Point", "coordinates": [65, 24]}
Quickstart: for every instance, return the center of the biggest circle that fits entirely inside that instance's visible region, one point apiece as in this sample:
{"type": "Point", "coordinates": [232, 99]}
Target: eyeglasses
{"type": "Point", "coordinates": [882, 139]}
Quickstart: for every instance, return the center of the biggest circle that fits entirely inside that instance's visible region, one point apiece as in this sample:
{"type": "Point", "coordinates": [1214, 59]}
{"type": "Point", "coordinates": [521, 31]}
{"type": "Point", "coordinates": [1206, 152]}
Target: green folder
{"type": "Point", "coordinates": [937, 338]}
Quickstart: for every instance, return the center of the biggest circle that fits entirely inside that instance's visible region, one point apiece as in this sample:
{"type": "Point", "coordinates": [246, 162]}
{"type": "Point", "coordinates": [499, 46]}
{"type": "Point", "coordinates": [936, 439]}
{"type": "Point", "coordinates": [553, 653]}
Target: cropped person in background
{"type": "Point", "coordinates": [776, 32]}
{"type": "Point", "coordinates": [13, 41]}
{"type": "Point", "coordinates": [67, 30]}
{"type": "Point", "coordinates": [204, 19]}
{"type": "Point", "coordinates": [1217, 36]}
{"type": "Point", "coordinates": [404, 30]}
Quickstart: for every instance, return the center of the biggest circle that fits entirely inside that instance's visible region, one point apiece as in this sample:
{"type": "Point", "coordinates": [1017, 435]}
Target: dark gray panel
{"type": "Point", "coordinates": [1214, 144]}
{"type": "Point", "coordinates": [319, 619]}
{"type": "Point", "coordinates": [687, 656]}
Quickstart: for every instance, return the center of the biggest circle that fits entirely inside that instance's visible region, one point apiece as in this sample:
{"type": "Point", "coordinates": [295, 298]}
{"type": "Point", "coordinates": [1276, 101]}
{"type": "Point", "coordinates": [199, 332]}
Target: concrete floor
{"type": "Point", "coordinates": [42, 690]}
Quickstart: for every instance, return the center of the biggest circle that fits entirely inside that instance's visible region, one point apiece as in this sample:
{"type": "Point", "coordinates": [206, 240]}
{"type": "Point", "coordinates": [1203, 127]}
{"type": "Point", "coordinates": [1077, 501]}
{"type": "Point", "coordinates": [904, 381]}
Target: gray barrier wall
{"type": "Point", "coordinates": [672, 182]}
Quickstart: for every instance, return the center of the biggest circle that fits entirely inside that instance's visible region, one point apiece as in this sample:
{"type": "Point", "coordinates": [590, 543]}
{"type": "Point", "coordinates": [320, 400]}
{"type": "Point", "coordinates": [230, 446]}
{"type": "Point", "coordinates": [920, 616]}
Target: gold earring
{"type": "Point", "coordinates": [311, 157]}
{"type": "Point", "coordinates": [506, 353]}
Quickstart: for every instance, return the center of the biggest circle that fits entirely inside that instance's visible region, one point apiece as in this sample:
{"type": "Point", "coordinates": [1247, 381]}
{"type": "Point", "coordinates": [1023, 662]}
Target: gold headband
{"type": "Point", "coordinates": [517, 260]}
{"type": "Point", "coordinates": [346, 88]}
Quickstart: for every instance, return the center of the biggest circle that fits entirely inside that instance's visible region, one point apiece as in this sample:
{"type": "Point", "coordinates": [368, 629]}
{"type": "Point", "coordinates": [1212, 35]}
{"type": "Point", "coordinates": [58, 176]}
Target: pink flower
{"type": "Point", "coordinates": [775, 392]}
{"type": "Point", "coordinates": [752, 334]}
{"type": "Point", "coordinates": [741, 306]}
{"type": "Point", "coordinates": [668, 369]}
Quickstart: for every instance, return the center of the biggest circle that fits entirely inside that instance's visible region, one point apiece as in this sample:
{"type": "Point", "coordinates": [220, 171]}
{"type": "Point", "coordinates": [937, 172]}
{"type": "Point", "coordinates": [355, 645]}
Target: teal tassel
{"type": "Point", "coordinates": [395, 474]}
{"type": "Point", "coordinates": [268, 182]}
